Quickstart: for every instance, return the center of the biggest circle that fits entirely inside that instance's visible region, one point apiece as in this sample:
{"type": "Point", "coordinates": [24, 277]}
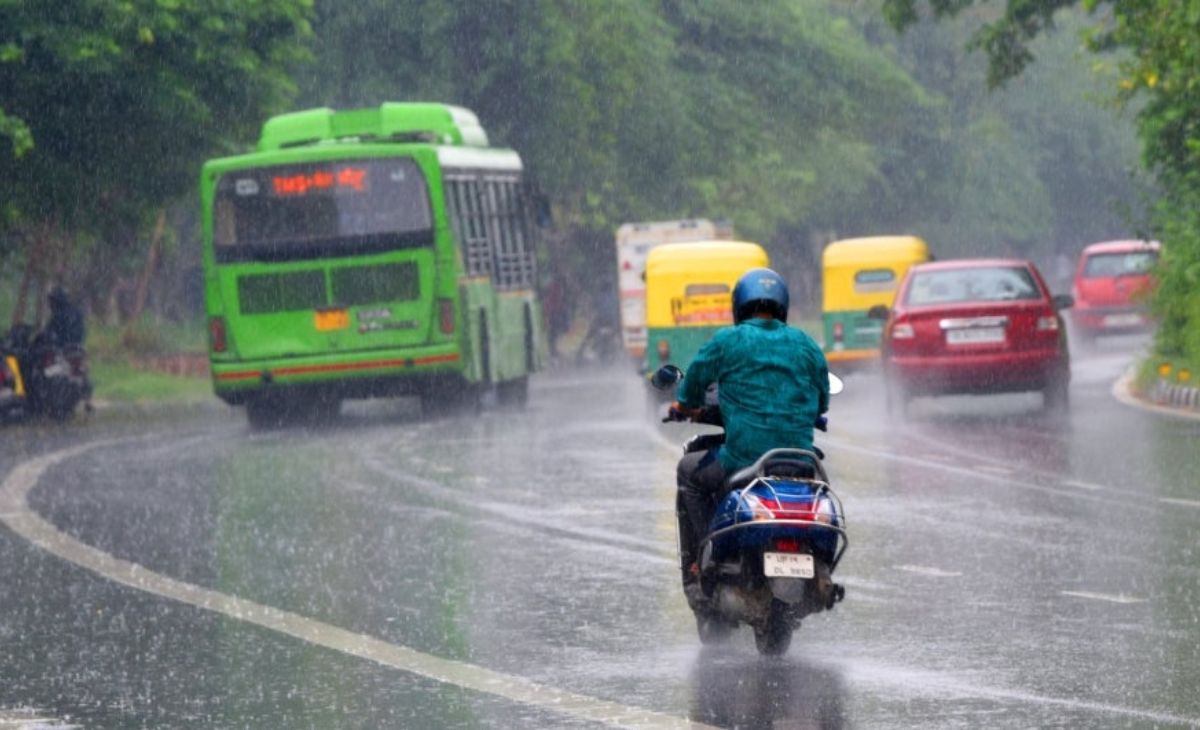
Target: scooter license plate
{"type": "Point", "coordinates": [788, 565]}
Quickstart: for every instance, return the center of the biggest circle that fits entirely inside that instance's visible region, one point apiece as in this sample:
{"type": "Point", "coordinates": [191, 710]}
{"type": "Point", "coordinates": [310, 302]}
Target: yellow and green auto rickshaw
{"type": "Point", "coordinates": [689, 289]}
{"type": "Point", "coordinates": [860, 273]}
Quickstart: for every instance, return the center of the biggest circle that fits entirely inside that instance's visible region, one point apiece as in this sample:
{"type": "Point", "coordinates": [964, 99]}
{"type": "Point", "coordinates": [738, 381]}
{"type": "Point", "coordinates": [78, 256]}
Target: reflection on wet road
{"type": "Point", "coordinates": [1004, 569]}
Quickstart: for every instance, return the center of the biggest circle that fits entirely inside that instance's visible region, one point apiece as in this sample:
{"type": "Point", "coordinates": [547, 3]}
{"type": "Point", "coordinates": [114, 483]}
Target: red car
{"type": "Point", "coordinates": [1111, 282]}
{"type": "Point", "coordinates": [975, 326]}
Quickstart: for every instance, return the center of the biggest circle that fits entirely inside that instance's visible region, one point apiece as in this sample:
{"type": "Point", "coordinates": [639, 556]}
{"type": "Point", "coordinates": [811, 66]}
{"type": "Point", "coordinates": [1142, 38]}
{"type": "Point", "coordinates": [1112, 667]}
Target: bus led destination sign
{"type": "Point", "coordinates": [345, 178]}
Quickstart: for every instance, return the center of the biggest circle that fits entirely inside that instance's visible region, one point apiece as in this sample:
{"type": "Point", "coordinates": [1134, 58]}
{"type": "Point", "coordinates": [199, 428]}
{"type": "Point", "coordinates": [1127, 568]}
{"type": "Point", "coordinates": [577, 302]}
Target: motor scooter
{"type": "Point", "coordinates": [47, 379]}
{"type": "Point", "coordinates": [774, 542]}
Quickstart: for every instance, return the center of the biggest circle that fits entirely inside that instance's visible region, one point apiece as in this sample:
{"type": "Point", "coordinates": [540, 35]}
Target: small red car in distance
{"type": "Point", "coordinates": [1111, 281]}
{"type": "Point", "coordinates": [975, 326]}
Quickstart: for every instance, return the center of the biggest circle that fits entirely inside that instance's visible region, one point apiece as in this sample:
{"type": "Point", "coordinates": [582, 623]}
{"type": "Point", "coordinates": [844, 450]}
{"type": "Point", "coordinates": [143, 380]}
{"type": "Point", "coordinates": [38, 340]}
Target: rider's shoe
{"type": "Point", "coordinates": [692, 589]}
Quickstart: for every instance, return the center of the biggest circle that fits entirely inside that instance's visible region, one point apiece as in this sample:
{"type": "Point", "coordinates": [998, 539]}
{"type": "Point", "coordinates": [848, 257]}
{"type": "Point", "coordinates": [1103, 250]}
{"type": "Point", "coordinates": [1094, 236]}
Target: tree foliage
{"type": "Point", "coordinates": [1159, 70]}
{"type": "Point", "coordinates": [798, 121]}
{"type": "Point", "coordinates": [112, 105]}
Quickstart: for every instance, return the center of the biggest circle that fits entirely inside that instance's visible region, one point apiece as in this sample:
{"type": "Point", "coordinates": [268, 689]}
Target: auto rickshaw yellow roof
{"type": "Point", "coordinates": [703, 256]}
{"type": "Point", "coordinates": [873, 249]}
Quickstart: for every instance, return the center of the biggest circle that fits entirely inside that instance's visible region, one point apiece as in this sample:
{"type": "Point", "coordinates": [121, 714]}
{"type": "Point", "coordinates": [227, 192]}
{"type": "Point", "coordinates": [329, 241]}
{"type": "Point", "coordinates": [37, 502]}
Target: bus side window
{"type": "Point", "coordinates": [479, 252]}
{"type": "Point", "coordinates": [454, 213]}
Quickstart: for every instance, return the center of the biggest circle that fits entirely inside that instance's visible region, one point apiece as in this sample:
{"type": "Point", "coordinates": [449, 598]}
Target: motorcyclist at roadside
{"type": "Point", "coordinates": [66, 327]}
{"type": "Point", "coordinates": [772, 385]}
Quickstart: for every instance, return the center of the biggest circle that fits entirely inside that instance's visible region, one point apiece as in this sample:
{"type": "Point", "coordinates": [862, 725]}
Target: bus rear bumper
{"type": "Point", "coordinates": [358, 375]}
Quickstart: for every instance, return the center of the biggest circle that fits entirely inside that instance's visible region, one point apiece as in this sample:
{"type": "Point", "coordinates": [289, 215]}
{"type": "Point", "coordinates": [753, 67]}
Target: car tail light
{"type": "Point", "coordinates": [1047, 324]}
{"type": "Point", "coordinates": [664, 350]}
{"type": "Point", "coordinates": [446, 316]}
{"type": "Point", "coordinates": [902, 331]}
{"type": "Point", "coordinates": [216, 333]}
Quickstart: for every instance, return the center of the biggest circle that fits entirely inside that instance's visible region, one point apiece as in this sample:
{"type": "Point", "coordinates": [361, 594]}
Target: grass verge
{"type": "Point", "coordinates": [116, 381]}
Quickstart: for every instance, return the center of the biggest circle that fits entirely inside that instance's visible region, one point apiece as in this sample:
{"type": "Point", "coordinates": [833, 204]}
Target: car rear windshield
{"type": "Point", "coordinates": [1117, 264]}
{"type": "Point", "coordinates": [982, 284]}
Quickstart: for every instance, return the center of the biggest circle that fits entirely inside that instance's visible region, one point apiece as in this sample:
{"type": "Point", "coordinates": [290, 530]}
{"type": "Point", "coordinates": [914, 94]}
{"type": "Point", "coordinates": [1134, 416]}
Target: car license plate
{"type": "Point", "coordinates": [974, 335]}
{"type": "Point", "coordinates": [787, 565]}
{"type": "Point", "coordinates": [1122, 320]}
{"type": "Point", "coordinates": [332, 319]}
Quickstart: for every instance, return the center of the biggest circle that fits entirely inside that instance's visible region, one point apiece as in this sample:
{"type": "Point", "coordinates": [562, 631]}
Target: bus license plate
{"type": "Point", "coordinates": [332, 319]}
{"type": "Point", "coordinates": [975, 335]}
{"type": "Point", "coordinates": [787, 565]}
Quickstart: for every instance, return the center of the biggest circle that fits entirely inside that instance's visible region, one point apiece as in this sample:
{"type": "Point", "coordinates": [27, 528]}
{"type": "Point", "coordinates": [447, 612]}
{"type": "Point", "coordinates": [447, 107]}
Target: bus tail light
{"type": "Point", "coordinates": [446, 316]}
{"type": "Point", "coordinates": [664, 351]}
{"type": "Point", "coordinates": [839, 332]}
{"type": "Point", "coordinates": [216, 332]}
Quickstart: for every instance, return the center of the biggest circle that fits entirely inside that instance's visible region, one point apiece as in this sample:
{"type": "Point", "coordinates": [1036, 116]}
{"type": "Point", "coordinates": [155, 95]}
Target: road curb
{"type": "Point", "coordinates": [1163, 398]}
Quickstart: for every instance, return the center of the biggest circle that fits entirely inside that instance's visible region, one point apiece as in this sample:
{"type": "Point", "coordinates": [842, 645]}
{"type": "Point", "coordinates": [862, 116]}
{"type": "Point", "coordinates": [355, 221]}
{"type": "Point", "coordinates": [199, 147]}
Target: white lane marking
{"type": "Point", "coordinates": [22, 718]}
{"type": "Point", "coordinates": [16, 514]}
{"type": "Point", "coordinates": [920, 682]}
{"type": "Point", "coordinates": [1180, 502]}
{"type": "Point", "coordinates": [926, 570]}
{"type": "Point", "coordinates": [1108, 597]}
{"type": "Point", "coordinates": [1082, 485]}
{"type": "Point", "coordinates": [993, 469]}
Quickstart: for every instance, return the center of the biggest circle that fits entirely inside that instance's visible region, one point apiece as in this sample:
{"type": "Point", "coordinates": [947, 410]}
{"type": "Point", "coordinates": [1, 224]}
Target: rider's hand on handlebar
{"type": "Point", "coordinates": [678, 412]}
{"type": "Point", "coordinates": [822, 423]}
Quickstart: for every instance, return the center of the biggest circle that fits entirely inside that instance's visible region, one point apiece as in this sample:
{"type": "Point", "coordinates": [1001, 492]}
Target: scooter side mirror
{"type": "Point", "coordinates": [835, 384]}
{"type": "Point", "coordinates": [666, 377]}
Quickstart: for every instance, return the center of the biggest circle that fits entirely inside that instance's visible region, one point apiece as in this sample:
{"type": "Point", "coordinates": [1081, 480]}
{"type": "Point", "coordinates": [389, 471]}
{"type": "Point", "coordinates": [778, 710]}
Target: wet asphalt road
{"type": "Point", "coordinates": [1005, 570]}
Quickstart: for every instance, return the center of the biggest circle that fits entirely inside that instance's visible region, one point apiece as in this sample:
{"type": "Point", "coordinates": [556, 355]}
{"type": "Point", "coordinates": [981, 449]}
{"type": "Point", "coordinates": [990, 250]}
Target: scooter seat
{"type": "Point", "coordinates": [778, 463]}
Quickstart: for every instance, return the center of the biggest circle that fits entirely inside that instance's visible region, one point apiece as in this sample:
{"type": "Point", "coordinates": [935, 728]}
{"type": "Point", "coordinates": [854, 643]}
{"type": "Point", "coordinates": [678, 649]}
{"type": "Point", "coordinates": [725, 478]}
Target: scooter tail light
{"type": "Point", "coordinates": [787, 545]}
{"type": "Point", "coordinates": [825, 512]}
{"type": "Point", "coordinates": [216, 332]}
{"type": "Point", "coordinates": [758, 510]}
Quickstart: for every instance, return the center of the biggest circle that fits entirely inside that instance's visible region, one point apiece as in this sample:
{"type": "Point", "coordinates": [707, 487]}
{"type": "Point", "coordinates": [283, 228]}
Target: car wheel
{"type": "Point", "coordinates": [896, 397]}
{"type": "Point", "coordinates": [1056, 395]}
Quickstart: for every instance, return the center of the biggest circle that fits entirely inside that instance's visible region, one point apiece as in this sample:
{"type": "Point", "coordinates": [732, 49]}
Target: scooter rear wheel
{"type": "Point", "coordinates": [775, 636]}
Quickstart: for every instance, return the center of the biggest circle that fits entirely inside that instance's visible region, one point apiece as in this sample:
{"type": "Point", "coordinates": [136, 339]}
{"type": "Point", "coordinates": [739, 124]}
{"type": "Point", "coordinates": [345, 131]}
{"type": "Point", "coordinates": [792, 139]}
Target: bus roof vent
{"type": "Point", "coordinates": [389, 122]}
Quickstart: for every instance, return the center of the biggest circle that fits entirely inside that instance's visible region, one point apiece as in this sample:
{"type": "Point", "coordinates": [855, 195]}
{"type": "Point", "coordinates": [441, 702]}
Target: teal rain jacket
{"type": "Point", "coordinates": [772, 382]}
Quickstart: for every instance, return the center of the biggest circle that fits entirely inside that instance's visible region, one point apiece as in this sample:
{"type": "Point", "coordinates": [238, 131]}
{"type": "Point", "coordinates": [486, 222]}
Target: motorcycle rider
{"type": "Point", "coordinates": [66, 327]}
{"type": "Point", "coordinates": [772, 385]}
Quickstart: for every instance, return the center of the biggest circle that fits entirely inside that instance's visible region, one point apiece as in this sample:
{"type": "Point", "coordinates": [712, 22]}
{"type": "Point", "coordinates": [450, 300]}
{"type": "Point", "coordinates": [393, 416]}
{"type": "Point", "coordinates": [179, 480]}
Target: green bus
{"type": "Point", "coordinates": [370, 252]}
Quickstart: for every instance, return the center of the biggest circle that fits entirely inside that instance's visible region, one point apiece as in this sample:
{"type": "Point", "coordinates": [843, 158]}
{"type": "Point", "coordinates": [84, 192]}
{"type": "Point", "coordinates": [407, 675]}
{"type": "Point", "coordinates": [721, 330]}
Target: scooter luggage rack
{"type": "Point", "coordinates": [822, 490]}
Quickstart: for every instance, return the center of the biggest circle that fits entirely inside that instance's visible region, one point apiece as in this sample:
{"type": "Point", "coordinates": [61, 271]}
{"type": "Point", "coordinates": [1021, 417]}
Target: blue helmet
{"type": "Point", "coordinates": [760, 290]}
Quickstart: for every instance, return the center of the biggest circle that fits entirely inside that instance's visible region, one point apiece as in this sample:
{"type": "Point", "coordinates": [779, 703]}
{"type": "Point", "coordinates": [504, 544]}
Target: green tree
{"type": "Point", "coordinates": [1160, 71]}
{"type": "Point", "coordinates": [121, 101]}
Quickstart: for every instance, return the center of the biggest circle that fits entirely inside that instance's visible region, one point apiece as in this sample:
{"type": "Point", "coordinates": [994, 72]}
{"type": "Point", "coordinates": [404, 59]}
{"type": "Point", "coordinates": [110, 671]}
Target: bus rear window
{"type": "Point", "coordinates": [312, 210]}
